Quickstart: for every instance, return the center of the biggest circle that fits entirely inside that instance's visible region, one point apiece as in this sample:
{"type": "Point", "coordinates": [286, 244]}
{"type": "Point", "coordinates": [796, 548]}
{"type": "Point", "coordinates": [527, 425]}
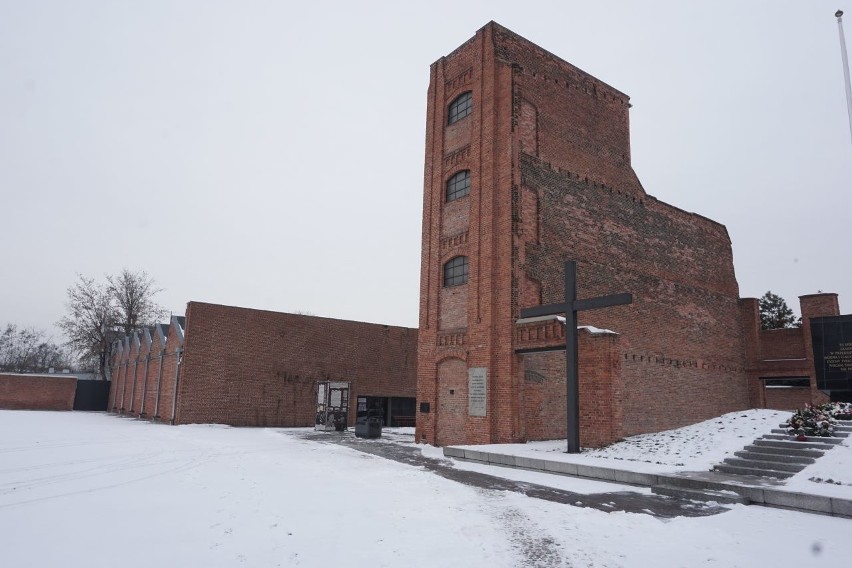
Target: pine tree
{"type": "Point", "coordinates": [775, 313]}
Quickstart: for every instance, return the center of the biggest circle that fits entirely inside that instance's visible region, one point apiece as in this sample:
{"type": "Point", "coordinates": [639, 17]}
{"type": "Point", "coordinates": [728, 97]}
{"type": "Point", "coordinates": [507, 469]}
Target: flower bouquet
{"type": "Point", "coordinates": [811, 421]}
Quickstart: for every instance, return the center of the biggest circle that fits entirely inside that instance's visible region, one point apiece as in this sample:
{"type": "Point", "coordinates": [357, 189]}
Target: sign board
{"type": "Point", "coordinates": [832, 341]}
{"type": "Point", "coordinates": [477, 388]}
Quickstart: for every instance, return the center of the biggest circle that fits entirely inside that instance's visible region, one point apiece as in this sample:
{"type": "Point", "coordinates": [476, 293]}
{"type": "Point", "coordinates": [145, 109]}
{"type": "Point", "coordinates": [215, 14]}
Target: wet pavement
{"type": "Point", "coordinates": [400, 448]}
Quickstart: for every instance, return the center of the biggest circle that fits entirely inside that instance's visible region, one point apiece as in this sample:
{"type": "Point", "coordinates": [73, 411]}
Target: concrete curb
{"type": "Point", "coordinates": [767, 496]}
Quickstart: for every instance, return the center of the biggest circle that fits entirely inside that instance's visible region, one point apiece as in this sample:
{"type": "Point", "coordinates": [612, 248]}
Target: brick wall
{"type": "Point", "coordinates": [165, 407]}
{"type": "Point", "coordinates": [248, 367]}
{"type": "Point", "coordinates": [681, 337]}
{"type": "Point", "coordinates": [115, 376]}
{"type": "Point", "coordinates": [787, 398]}
{"type": "Point", "coordinates": [37, 392]}
{"type": "Point", "coordinates": [140, 369]}
{"type": "Point", "coordinates": [121, 372]}
{"type": "Point", "coordinates": [132, 371]}
{"type": "Point", "coordinates": [778, 344]}
{"type": "Point", "coordinates": [544, 392]}
{"type": "Point", "coordinates": [548, 149]}
{"type": "Point", "coordinates": [784, 353]}
{"type": "Point", "coordinates": [143, 373]}
{"type": "Point", "coordinates": [153, 378]}
{"type": "Point", "coordinates": [567, 117]}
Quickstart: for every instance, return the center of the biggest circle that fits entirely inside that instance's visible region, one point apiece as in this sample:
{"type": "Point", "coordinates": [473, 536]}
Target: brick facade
{"type": "Point", "coordinates": [786, 398]}
{"type": "Point", "coordinates": [246, 367]}
{"type": "Point", "coordinates": [548, 150]}
{"type": "Point", "coordinates": [37, 392]}
{"type": "Point", "coordinates": [547, 147]}
{"type": "Point", "coordinates": [544, 394]}
{"type": "Point", "coordinates": [143, 368]}
{"type": "Point", "coordinates": [784, 354]}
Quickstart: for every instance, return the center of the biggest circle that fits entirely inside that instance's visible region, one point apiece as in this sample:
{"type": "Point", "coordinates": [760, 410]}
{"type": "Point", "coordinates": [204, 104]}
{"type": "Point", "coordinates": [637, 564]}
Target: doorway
{"type": "Point", "coordinates": [393, 410]}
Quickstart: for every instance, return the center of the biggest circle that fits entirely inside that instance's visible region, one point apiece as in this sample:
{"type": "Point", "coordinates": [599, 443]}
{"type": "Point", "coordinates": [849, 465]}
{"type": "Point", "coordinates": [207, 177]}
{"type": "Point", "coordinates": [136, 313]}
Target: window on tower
{"type": "Point", "coordinates": [458, 185]}
{"type": "Point", "coordinates": [461, 106]}
{"type": "Point", "coordinates": [455, 271]}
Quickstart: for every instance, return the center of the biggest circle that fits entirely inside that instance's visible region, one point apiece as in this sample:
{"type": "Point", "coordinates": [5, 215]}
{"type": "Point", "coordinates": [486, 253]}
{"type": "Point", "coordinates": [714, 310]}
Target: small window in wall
{"type": "Point", "coordinates": [458, 186]}
{"type": "Point", "coordinates": [787, 382]}
{"type": "Point", "coordinates": [461, 106]}
{"type": "Point", "coordinates": [455, 271]}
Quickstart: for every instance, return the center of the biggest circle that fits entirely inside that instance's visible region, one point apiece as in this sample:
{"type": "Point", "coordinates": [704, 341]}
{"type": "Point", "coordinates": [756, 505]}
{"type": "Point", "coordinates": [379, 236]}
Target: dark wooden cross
{"type": "Point", "coordinates": [570, 307]}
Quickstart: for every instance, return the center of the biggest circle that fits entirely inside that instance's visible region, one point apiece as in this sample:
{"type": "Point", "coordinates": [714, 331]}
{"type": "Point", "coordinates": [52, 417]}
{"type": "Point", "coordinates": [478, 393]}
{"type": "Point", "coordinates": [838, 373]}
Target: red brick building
{"type": "Point", "coordinates": [527, 166]}
{"type": "Point", "coordinates": [245, 367]}
{"type": "Point", "coordinates": [781, 369]}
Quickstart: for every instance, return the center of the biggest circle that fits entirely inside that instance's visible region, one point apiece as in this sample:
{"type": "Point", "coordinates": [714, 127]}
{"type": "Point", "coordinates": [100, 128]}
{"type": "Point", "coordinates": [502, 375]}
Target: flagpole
{"type": "Point", "coordinates": [839, 16]}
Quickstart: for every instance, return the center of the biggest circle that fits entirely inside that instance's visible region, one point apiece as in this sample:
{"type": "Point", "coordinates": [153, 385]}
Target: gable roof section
{"type": "Point", "coordinates": [178, 323]}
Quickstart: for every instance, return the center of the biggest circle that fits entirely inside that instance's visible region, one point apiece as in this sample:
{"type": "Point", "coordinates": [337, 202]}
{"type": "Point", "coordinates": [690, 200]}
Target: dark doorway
{"type": "Point", "coordinates": [91, 395]}
{"type": "Point", "coordinates": [393, 410]}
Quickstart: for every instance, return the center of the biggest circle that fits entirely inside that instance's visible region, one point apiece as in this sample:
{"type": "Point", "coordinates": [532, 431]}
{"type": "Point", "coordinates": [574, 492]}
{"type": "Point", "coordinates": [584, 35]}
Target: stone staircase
{"type": "Point", "coordinates": [779, 455]}
{"type": "Point", "coordinates": [772, 458]}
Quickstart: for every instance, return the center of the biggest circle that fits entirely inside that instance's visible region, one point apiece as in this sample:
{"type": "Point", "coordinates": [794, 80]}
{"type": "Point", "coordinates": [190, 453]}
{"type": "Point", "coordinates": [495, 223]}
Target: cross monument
{"type": "Point", "coordinates": [570, 307]}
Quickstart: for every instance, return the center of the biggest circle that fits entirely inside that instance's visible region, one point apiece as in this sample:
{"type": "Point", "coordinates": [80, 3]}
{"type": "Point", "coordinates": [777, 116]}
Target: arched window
{"type": "Point", "coordinates": [455, 271]}
{"type": "Point", "coordinates": [461, 106]}
{"type": "Point", "coordinates": [458, 186]}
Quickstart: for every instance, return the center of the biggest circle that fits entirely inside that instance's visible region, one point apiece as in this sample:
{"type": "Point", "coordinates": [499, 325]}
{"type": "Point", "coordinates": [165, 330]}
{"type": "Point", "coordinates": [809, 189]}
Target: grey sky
{"type": "Point", "coordinates": [270, 154]}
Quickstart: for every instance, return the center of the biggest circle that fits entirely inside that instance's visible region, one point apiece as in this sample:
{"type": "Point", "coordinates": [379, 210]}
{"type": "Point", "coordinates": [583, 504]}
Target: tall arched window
{"type": "Point", "coordinates": [455, 271]}
{"type": "Point", "coordinates": [461, 106]}
{"type": "Point", "coordinates": [458, 185]}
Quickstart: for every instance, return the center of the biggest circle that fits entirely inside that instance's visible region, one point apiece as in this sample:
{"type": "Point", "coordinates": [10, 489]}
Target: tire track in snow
{"type": "Point", "coordinates": [136, 462]}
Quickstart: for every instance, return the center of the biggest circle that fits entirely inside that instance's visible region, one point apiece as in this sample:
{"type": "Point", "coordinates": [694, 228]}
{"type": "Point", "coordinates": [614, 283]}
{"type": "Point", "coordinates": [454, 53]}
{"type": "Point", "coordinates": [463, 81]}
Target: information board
{"type": "Point", "coordinates": [477, 388]}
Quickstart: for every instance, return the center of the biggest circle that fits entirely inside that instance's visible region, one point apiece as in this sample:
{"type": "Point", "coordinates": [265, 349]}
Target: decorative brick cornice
{"type": "Point", "coordinates": [460, 156]}
{"type": "Point", "coordinates": [461, 80]}
{"type": "Point", "coordinates": [453, 241]}
{"type": "Point", "coordinates": [548, 333]}
{"type": "Point", "coordinates": [452, 339]}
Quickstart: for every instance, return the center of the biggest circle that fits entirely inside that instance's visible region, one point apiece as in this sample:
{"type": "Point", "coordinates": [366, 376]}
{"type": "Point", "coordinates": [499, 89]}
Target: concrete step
{"type": "Point", "coordinates": [781, 458]}
{"type": "Point", "coordinates": [786, 450]}
{"type": "Point", "coordinates": [842, 426]}
{"type": "Point", "coordinates": [810, 440]}
{"type": "Point", "coordinates": [705, 495]}
{"type": "Point", "coordinates": [837, 433]}
{"type": "Point", "coordinates": [758, 464]}
{"type": "Point", "coordinates": [738, 470]}
{"type": "Point", "coordinates": [787, 443]}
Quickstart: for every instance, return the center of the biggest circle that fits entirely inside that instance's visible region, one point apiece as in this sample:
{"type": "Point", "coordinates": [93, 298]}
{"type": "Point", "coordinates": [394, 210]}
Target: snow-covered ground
{"type": "Point", "coordinates": [88, 489]}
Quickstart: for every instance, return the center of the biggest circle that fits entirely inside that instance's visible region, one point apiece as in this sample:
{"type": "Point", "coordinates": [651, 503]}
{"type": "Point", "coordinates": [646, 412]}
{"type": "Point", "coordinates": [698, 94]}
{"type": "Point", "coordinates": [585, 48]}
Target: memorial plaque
{"type": "Point", "coordinates": [832, 341]}
{"type": "Point", "coordinates": [477, 386]}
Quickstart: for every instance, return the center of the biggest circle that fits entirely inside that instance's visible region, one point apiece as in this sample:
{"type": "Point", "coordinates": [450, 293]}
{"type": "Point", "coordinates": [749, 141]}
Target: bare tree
{"type": "Point", "coordinates": [98, 313]}
{"type": "Point", "coordinates": [90, 318]}
{"type": "Point", "coordinates": [25, 350]}
{"type": "Point", "coordinates": [133, 296]}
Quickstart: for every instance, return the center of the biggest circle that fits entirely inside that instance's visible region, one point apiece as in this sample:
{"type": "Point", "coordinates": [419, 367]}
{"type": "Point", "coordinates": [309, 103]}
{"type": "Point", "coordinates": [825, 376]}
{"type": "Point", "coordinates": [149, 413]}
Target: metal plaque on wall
{"type": "Point", "coordinates": [832, 341]}
{"type": "Point", "coordinates": [477, 386]}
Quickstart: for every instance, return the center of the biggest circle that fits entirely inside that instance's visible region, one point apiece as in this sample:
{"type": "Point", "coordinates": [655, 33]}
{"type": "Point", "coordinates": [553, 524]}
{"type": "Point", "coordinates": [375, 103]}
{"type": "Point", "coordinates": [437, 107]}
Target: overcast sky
{"type": "Point", "coordinates": [269, 154]}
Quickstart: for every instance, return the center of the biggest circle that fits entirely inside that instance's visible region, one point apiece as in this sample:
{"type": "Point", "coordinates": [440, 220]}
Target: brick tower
{"type": "Point", "coordinates": [528, 165]}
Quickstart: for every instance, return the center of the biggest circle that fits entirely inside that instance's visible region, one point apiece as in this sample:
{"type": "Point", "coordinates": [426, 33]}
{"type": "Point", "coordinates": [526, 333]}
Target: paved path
{"type": "Point", "coordinates": [688, 484]}
{"type": "Point", "coordinates": [395, 448]}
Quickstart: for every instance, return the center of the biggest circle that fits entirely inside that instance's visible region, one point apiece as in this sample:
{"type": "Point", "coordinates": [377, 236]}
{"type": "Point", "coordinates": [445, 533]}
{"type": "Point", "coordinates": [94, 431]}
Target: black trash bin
{"type": "Point", "coordinates": [369, 427]}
